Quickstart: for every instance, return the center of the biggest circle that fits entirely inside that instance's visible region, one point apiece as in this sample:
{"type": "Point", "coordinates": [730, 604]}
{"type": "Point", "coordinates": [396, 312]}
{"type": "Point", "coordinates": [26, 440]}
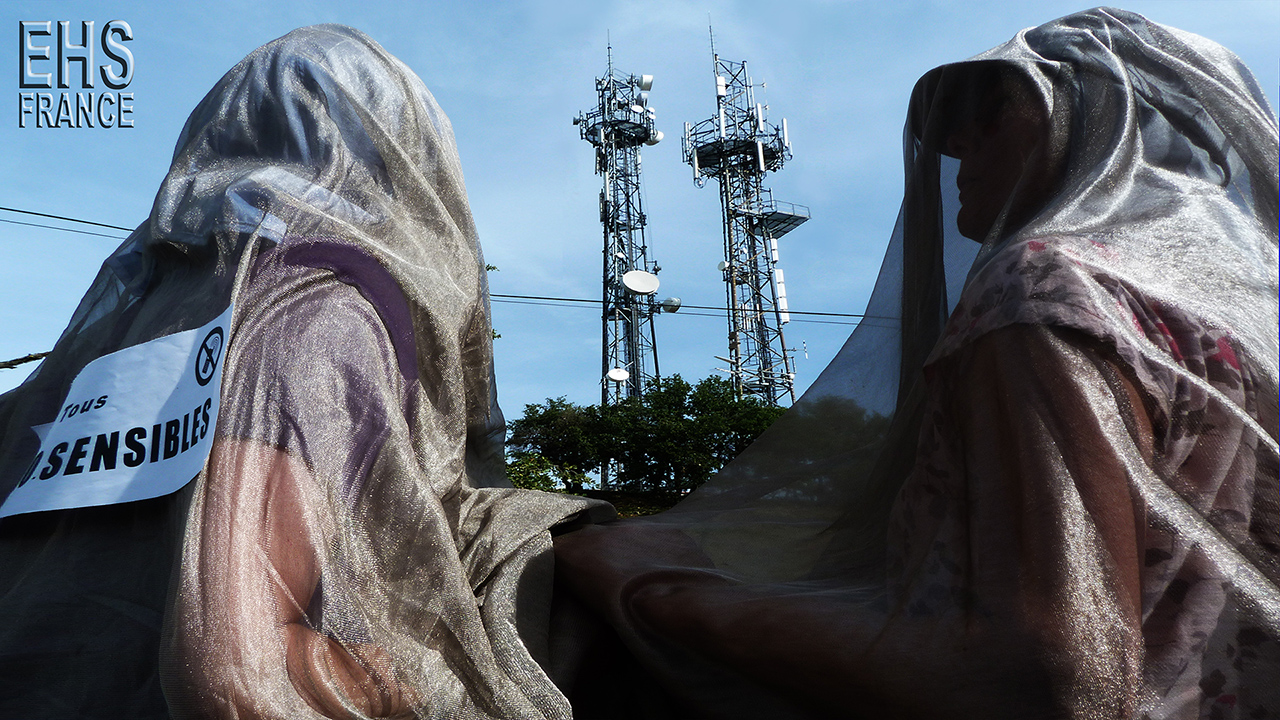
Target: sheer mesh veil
{"type": "Point", "coordinates": [352, 547]}
{"type": "Point", "coordinates": [419, 583]}
{"type": "Point", "coordinates": [933, 527]}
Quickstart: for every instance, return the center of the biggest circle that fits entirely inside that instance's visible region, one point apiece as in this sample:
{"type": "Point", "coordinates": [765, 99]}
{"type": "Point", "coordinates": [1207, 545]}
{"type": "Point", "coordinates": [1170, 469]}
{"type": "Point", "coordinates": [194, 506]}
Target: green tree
{"type": "Point", "coordinates": [561, 433]}
{"type": "Point", "coordinates": [531, 471]}
{"type": "Point", "coordinates": [670, 439]}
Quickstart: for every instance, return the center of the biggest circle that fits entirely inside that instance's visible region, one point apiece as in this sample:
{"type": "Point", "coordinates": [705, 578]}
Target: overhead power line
{"type": "Point", "coordinates": [68, 219]}
{"type": "Point", "coordinates": [694, 307]}
{"type": "Point", "coordinates": [494, 295]}
{"type": "Point", "coordinates": [543, 300]}
{"type": "Point", "coordinates": [55, 227]}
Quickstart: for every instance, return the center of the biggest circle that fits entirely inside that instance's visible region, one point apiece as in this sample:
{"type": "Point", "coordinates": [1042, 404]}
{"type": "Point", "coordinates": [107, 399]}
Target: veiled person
{"type": "Point", "coordinates": [1040, 479]}
{"type": "Point", "coordinates": [352, 548]}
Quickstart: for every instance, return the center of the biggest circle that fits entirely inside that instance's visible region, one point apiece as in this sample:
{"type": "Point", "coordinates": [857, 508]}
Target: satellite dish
{"type": "Point", "coordinates": [646, 82]}
{"type": "Point", "coordinates": [640, 282]}
{"type": "Point", "coordinates": [637, 109]}
{"type": "Point", "coordinates": [724, 265]}
{"type": "Point", "coordinates": [643, 99]}
{"type": "Point", "coordinates": [654, 138]}
{"type": "Point", "coordinates": [618, 375]}
{"type": "Point", "coordinates": [671, 304]}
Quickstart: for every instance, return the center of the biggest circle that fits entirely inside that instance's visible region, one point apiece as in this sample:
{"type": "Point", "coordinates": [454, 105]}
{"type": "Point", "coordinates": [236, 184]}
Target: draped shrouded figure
{"type": "Point", "coordinates": [1040, 479]}
{"type": "Point", "coordinates": [352, 547]}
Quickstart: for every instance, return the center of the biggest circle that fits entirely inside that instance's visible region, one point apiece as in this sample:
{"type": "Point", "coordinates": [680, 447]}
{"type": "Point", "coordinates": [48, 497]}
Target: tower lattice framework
{"type": "Point", "coordinates": [620, 124]}
{"type": "Point", "coordinates": [737, 147]}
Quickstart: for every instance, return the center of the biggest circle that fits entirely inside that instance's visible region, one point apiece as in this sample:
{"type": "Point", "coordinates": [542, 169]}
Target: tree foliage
{"type": "Point", "coordinates": [560, 433]}
{"type": "Point", "coordinates": [670, 439]}
{"type": "Point", "coordinates": [531, 471]}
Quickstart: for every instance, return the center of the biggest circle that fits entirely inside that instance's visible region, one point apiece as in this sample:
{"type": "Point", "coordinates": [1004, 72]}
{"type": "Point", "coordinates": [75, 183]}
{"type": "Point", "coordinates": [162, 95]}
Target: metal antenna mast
{"type": "Point", "coordinates": [621, 122]}
{"type": "Point", "coordinates": [737, 147]}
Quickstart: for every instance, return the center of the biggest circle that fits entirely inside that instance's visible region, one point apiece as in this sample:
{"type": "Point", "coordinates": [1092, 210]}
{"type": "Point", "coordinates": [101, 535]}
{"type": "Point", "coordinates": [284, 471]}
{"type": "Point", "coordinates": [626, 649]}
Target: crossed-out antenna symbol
{"type": "Point", "coordinates": [208, 355]}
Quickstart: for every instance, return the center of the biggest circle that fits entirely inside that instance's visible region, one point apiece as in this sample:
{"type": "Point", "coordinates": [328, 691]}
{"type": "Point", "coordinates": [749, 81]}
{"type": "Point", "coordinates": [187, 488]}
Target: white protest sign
{"type": "Point", "coordinates": [136, 424]}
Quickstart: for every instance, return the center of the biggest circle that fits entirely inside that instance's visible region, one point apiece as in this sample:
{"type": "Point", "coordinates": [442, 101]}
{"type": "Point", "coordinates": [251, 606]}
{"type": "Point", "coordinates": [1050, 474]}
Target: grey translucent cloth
{"type": "Point", "coordinates": [352, 547]}
{"type": "Point", "coordinates": [1040, 479]}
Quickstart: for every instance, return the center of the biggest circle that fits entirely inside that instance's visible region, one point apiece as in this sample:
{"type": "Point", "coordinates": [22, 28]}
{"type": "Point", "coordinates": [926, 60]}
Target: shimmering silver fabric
{"type": "Point", "coordinates": [352, 548]}
{"type": "Point", "coordinates": [1072, 509]}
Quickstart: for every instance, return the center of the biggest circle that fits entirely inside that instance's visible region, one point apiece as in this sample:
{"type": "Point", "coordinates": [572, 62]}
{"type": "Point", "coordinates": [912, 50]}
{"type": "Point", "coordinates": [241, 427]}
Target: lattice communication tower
{"type": "Point", "coordinates": [737, 146]}
{"type": "Point", "coordinates": [620, 124]}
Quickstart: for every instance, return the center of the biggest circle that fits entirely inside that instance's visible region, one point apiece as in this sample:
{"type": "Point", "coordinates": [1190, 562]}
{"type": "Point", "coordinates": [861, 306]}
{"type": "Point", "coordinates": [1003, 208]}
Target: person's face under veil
{"type": "Point", "coordinates": [1002, 140]}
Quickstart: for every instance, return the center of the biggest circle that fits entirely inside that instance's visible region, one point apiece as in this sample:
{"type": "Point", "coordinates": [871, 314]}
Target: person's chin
{"type": "Point", "coordinates": [972, 227]}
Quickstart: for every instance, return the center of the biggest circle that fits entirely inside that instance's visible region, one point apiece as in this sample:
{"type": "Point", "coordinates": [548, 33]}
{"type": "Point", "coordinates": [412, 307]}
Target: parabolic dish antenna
{"type": "Point", "coordinates": [618, 375]}
{"type": "Point", "coordinates": [640, 282]}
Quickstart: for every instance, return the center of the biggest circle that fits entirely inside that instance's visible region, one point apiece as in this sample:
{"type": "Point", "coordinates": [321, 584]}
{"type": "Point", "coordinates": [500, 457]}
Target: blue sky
{"type": "Point", "coordinates": [511, 76]}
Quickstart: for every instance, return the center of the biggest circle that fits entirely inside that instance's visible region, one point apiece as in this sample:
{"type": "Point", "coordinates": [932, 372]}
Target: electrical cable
{"type": "Point", "coordinates": [55, 227]}
{"type": "Point", "coordinates": [694, 307]}
{"type": "Point", "coordinates": [497, 297]}
{"type": "Point", "coordinates": [493, 295]}
{"type": "Point", "coordinates": [505, 300]}
{"type": "Point", "coordinates": [68, 219]}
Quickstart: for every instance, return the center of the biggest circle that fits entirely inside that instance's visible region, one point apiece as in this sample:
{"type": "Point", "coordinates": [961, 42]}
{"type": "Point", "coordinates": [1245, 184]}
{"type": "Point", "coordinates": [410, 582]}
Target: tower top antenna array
{"type": "Point", "coordinates": [737, 146]}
